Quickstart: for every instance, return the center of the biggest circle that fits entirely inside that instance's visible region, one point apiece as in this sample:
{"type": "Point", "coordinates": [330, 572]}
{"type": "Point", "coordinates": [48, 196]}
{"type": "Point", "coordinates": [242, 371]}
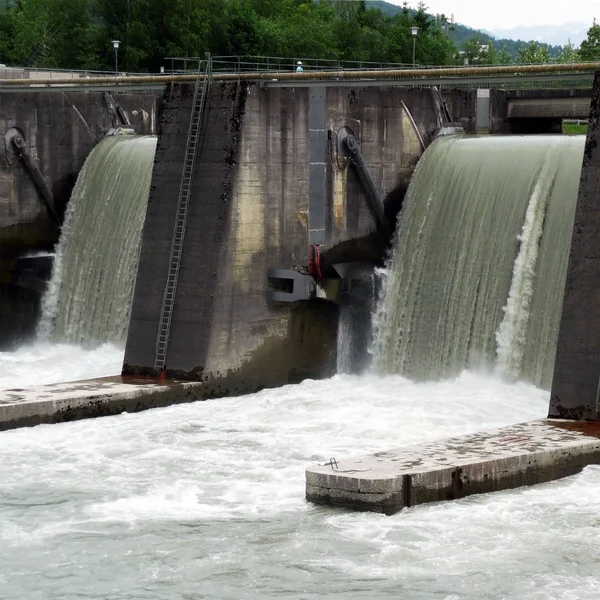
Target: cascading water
{"type": "Point", "coordinates": [89, 296]}
{"type": "Point", "coordinates": [477, 274]}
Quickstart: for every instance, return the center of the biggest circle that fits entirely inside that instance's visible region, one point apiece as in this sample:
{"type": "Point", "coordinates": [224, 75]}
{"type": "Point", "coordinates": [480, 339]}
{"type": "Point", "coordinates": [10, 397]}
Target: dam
{"type": "Point", "coordinates": [148, 502]}
{"type": "Point", "coordinates": [243, 278]}
{"type": "Point", "coordinates": [231, 279]}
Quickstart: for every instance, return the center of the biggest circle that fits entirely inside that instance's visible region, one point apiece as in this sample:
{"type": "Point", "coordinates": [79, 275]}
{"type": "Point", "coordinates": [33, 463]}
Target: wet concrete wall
{"type": "Point", "coordinates": [60, 130]}
{"type": "Point", "coordinates": [264, 152]}
{"type": "Point", "coordinates": [575, 385]}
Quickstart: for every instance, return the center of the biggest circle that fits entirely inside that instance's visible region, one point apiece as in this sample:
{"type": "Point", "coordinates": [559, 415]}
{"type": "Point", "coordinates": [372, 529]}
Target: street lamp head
{"type": "Point", "coordinates": [414, 31]}
{"type": "Point", "coordinates": [116, 44]}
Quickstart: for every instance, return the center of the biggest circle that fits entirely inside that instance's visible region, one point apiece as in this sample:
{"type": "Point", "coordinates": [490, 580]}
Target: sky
{"type": "Point", "coordinates": [495, 14]}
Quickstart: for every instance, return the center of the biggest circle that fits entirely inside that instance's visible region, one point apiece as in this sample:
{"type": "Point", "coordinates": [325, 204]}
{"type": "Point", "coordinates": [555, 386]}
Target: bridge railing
{"type": "Point", "coordinates": [279, 64]}
{"type": "Point", "coordinates": [242, 65]}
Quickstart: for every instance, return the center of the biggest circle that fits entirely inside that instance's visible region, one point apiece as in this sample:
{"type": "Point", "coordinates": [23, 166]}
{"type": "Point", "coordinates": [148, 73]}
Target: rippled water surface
{"type": "Point", "coordinates": [206, 500]}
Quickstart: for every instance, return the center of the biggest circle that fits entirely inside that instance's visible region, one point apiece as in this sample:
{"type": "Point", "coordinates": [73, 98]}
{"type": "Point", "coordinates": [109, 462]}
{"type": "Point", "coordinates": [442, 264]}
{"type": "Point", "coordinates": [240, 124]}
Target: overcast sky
{"type": "Point", "coordinates": [494, 14]}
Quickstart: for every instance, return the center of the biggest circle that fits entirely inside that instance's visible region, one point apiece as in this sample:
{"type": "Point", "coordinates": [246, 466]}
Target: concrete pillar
{"type": "Point", "coordinates": [575, 386]}
{"type": "Point", "coordinates": [483, 111]}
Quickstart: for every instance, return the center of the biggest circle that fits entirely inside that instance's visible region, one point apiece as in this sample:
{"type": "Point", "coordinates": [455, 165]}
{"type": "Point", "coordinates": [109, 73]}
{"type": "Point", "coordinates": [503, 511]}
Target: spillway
{"type": "Point", "coordinates": [89, 296]}
{"type": "Point", "coordinates": [477, 273]}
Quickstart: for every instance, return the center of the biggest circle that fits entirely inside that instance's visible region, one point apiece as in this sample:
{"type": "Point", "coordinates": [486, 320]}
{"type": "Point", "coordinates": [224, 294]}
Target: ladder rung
{"type": "Point", "coordinates": [187, 176]}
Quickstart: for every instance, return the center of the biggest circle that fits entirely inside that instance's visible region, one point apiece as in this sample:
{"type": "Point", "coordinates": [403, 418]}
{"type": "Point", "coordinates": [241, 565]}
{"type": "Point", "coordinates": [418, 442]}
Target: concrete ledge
{"type": "Point", "coordinates": [60, 402]}
{"type": "Point", "coordinates": [501, 459]}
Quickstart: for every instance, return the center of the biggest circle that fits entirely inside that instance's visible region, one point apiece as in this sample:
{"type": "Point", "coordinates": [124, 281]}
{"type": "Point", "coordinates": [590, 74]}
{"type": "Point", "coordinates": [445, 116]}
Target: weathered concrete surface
{"type": "Point", "coordinates": [60, 130]}
{"type": "Point", "coordinates": [240, 222]}
{"type": "Point", "coordinates": [536, 111]}
{"type": "Point", "coordinates": [575, 383]}
{"type": "Point", "coordinates": [501, 459]}
{"type": "Point", "coordinates": [60, 402]}
{"type": "Point", "coordinates": [571, 107]}
{"type": "Point", "coordinates": [249, 212]}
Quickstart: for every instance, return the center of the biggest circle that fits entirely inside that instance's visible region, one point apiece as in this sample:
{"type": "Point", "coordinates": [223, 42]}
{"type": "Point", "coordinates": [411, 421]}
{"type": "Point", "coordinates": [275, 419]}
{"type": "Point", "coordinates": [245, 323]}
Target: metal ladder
{"type": "Point", "coordinates": [193, 138]}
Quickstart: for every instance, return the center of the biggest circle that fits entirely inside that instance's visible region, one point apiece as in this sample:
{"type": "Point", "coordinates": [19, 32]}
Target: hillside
{"type": "Point", "coordinates": [461, 33]}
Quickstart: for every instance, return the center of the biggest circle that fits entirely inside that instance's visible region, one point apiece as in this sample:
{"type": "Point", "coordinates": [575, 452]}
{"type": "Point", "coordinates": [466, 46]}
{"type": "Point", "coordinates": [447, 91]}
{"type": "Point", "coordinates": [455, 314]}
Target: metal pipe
{"type": "Point", "coordinates": [20, 146]}
{"type": "Point", "coordinates": [357, 160]}
{"type": "Point", "coordinates": [321, 75]}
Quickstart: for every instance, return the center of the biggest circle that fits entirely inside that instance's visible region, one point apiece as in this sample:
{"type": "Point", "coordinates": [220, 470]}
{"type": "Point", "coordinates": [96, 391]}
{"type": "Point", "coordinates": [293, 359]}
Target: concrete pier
{"type": "Point", "coordinates": [501, 459]}
{"type": "Point", "coordinates": [577, 368]}
{"type": "Point", "coordinates": [61, 402]}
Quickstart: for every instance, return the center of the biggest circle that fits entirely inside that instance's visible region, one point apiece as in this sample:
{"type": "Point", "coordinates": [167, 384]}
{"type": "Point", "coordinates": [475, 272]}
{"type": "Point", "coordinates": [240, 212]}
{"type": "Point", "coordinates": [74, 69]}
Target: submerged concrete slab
{"type": "Point", "coordinates": [501, 459]}
{"type": "Point", "coordinates": [60, 402]}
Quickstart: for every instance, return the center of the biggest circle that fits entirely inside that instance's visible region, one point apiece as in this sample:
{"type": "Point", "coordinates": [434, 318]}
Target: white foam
{"type": "Point", "coordinates": [44, 363]}
{"type": "Point", "coordinates": [511, 336]}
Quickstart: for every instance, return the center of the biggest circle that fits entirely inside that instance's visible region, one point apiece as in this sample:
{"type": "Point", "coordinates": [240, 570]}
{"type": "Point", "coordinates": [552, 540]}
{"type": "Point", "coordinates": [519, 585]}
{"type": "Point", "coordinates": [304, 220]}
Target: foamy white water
{"type": "Point", "coordinates": [206, 500]}
{"type": "Point", "coordinates": [43, 363]}
{"type": "Point", "coordinates": [511, 336]}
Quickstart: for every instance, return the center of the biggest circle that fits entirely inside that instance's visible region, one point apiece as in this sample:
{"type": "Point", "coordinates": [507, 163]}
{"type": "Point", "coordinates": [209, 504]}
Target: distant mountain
{"type": "Point", "coordinates": [554, 35]}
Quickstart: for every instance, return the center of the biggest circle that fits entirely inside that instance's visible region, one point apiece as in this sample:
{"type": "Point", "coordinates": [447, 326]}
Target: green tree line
{"type": "Point", "coordinates": [77, 34]}
{"type": "Point", "coordinates": [479, 50]}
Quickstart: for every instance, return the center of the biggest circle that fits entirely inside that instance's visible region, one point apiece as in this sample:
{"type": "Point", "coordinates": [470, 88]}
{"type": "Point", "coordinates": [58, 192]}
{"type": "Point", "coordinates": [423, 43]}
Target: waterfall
{"type": "Point", "coordinates": [477, 273]}
{"type": "Point", "coordinates": [88, 299]}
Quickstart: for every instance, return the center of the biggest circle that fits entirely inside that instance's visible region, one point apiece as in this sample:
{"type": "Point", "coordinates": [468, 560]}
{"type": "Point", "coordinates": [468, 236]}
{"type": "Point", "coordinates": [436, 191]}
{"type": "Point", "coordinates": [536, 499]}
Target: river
{"type": "Point", "coordinates": [206, 500]}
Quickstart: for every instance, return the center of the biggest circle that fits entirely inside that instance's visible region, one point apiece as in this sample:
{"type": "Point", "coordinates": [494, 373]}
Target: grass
{"type": "Point", "coordinates": [574, 128]}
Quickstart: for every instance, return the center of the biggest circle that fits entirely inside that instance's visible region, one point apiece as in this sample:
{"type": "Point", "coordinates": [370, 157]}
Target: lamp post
{"type": "Point", "coordinates": [116, 44]}
{"type": "Point", "coordinates": [414, 31]}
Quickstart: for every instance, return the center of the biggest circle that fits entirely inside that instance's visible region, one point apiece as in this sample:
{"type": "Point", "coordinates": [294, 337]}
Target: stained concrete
{"type": "Point", "coordinates": [575, 384]}
{"type": "Point", "coordinates": [251, 210]}
{"type": "Point", "coordinates": [244, 216]}
{"type": "Point", "coordinates": [501, 459]}
{"type": "Point", "coordinates": [61, 402]}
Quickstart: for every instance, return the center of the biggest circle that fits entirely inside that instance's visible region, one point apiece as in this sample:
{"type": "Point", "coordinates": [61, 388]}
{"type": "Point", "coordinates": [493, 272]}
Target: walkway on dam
{"type": "Point", "coordinates": [570, 76]}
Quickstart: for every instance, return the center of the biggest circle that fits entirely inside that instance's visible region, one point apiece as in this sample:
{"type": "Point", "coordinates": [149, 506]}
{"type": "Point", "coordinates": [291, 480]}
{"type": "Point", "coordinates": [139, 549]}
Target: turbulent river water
{"type": "Point", "coordinates": [206, 500]}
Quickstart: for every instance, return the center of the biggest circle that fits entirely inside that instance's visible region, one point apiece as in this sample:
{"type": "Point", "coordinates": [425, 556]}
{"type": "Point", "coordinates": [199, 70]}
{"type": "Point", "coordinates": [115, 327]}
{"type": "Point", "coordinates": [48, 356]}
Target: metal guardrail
{"type": "Point", "coordinates": [254, 64]}
{"type": "Point", "coordinates": [264, 64]}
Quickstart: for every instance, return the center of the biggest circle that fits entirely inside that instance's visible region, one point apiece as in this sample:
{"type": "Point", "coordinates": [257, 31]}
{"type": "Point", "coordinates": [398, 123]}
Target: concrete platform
{"type": "Point", "coordinates": [59, 402]}
{"type": "Point", "coordinates": [501, 459]}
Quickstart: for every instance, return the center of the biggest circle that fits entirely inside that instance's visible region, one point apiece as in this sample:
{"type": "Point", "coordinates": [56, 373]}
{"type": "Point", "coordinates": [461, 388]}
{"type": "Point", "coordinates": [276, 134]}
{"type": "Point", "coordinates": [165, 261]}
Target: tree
{"type": "Point", "coordinates": [590, 47]}
{"type": "Point", "coordinates": [568, 54]}
{"type": "Point", "coordinates": [58, 34]}
{"type": "Point", "coordinates": [533, 53]}
{"type": "Point", "coordinates": [78, 34]}
{"type": "Point", "coordinates": [504, 57]}
{"type": "Point", "coordinates": [478, 53]}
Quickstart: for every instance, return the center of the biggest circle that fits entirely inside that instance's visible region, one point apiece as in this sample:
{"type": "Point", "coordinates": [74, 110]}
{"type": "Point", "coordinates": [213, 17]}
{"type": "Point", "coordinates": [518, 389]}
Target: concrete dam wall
{"type": "Point", "coordinates": [59, 129]}
{"type": "Point", "coordinates": [269, 191]}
